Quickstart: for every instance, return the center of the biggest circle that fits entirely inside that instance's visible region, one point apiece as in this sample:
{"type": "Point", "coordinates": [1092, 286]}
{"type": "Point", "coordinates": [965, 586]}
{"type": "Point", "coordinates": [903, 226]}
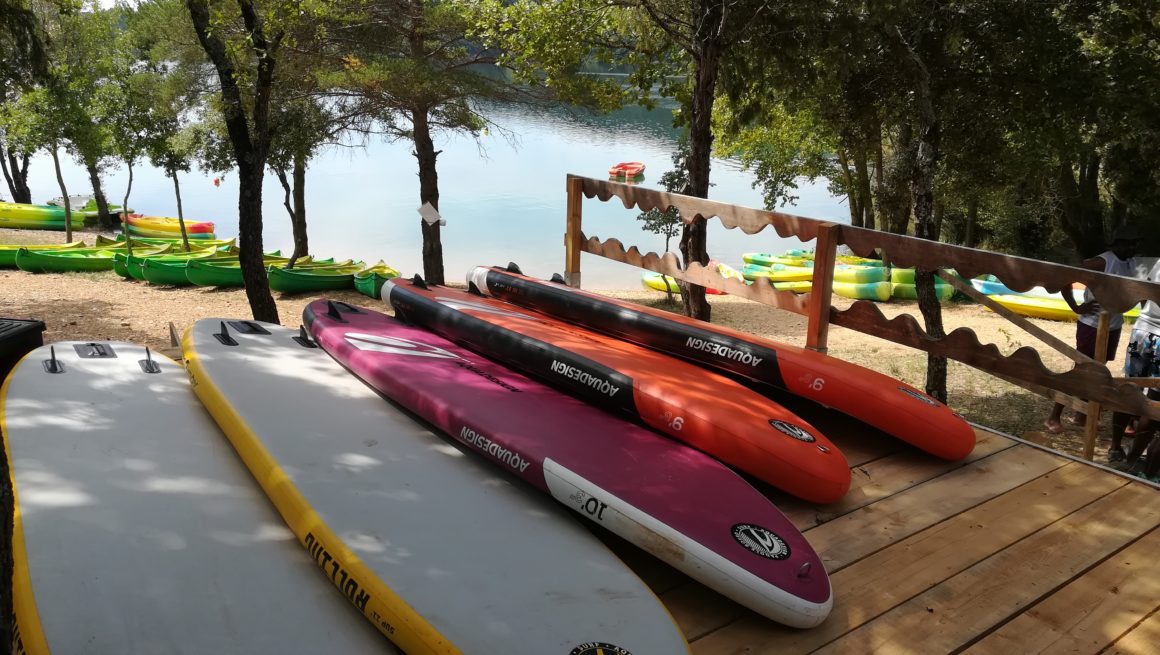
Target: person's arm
{"type": "Point", "coordinates": [1092, 264]}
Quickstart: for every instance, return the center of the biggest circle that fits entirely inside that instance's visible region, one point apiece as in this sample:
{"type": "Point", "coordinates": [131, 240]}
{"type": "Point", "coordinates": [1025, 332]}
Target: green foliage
{"type": "Point", "coordinates": [780, 148]}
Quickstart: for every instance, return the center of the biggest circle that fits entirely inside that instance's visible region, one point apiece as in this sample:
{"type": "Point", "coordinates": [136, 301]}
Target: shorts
{"type": "Point", "coordinates": [1085, 341]}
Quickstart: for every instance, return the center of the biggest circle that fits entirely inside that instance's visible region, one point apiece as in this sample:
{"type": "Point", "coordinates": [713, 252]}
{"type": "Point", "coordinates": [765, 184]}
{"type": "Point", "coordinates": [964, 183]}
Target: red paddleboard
{"type": "Point", "coordinates": [705, 410]}
{"type": "Point", "coordinates": [871, 397]}
{"type": "Point", "coordinates": [678, 504]}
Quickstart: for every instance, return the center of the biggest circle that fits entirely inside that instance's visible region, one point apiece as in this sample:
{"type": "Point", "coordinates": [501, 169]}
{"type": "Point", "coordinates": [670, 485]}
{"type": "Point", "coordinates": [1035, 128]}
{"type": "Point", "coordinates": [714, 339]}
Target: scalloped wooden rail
{"type": "Point", "coordinates": [1089, 379]}
{"type": "Point", "coordinates": [1114, 293]}
{"type": "Point", "coordinates": [667, 265]}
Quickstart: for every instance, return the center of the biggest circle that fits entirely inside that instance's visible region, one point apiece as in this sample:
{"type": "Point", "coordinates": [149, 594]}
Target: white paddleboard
{"type": "Point", "coordinates": [138, 529]}
{"type": "Point", "coordinates": [438, 549]}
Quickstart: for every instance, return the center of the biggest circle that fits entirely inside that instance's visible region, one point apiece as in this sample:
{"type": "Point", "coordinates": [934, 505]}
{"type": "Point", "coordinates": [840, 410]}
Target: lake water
{"type": "Point", "coordinates": [503, 196]}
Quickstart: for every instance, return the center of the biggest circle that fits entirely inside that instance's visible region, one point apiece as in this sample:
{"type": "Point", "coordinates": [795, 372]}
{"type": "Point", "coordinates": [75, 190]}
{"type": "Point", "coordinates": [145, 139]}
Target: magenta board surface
{"type": "Point", "coordinates": [637, 483]}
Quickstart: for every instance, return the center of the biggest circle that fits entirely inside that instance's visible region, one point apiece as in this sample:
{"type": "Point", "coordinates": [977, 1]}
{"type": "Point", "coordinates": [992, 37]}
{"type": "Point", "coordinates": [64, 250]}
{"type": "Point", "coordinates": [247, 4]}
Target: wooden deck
{"type": "Point", "coordinates": [1014, 550]}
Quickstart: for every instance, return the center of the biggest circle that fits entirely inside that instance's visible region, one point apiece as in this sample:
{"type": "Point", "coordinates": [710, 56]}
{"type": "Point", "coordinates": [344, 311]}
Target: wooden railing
{"type": "Point", "coordinates": [1088, 387]}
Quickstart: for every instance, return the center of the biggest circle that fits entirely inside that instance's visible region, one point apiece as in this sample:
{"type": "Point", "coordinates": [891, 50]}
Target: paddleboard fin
{"type": "Point", "coordinates": [334, 312]}
{"type": "Point", "coordinates": [303, 338]}
{"type": "Point", "coordinates": [224, 337]}
{"type": "Point", "coordinates": [804, 571]}
{"type": "Point", "coordinates": [53, 365]}
{"type": "Point", "coordinates": [147, 364]}
{"type": "Point", "coordinates": [419, 281]}
{"type": "Point", "coordinates": [558, 279]}
{"type": "Point", "coordinates": [174, 340]}
{"type": "Point", "coordinates": [513, 267]}
{"type": "Point", "coordinates": [473, 290]}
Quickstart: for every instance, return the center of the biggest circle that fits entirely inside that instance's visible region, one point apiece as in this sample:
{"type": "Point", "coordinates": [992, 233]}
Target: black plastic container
{"type": "Point", "coordinates": [18, 337]}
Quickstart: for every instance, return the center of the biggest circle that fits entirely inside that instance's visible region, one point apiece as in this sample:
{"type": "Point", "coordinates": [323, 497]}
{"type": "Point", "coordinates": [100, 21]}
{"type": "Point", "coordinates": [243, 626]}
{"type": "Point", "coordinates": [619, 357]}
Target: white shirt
{"type": "Point", "coordinates": [1114, 266]}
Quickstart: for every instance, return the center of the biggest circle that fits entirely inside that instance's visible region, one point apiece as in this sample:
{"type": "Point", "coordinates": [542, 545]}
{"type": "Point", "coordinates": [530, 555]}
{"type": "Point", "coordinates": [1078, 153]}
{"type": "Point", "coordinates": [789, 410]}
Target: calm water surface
{"type": "Point", "coordinates": [503, 196]}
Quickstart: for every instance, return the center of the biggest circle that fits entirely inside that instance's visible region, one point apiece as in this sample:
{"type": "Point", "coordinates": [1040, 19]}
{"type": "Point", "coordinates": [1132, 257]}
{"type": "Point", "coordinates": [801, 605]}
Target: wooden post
{"type": "Point", "coordinates": [1091, 426]}
{"type": "Point", "coordinates": [573, 232]}
{"type": "Point", "coordinates": [825, 254]}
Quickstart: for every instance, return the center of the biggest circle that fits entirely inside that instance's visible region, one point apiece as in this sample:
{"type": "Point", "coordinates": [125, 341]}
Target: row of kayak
{"type": "Point", "coordinates": [15, 215]}
{"type": "Point", "coordinates": [52, 217]}
{"type": "Point", "coordinates": [210, 263]}
{"type": "Point", "coordinates": [867, 279]}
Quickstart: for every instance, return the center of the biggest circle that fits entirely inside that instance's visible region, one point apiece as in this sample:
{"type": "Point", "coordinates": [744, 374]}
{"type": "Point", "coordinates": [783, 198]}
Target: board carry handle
{"type": "Point", "coordinates": [224, 337]}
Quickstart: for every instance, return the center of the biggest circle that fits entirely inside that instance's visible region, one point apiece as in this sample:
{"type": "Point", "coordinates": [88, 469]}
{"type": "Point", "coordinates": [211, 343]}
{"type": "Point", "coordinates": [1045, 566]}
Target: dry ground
{"type": "Point", "coordinates": [103, 306]}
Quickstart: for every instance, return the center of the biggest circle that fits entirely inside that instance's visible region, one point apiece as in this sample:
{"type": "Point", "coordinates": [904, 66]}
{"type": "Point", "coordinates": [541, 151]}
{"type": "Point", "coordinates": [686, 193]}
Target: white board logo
{"type": "Point", "coordinates": [396, 346]}
{"type": "Point", "coordinates": [598, 648]}
{"type": "Point", "coordinates": [792, 430]}
{"type": "Point", "coordinates": [455, 303]}
{"type": "Point", "coordinates": [760, 541]}
{"type": "Point", "coordinates": [919, 396]}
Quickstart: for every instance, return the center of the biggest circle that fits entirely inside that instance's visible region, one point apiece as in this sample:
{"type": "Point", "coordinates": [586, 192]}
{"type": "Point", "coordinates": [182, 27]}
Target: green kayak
{"type": "Point", "coordinates": [904, 291]}
{"type": "Point", "coordinates": [228, 273]}
{"type": "Point", "coordinates": [8, 251]}
{"type": "Point", "coordinates": [72, 260]}
{"type": "Point", "coordinates": [174, 271]}
{"type": "Point", "coordinates": [176, 243]}
{"type": "Point", "coordinates": [369, 281]}
{"type": "Point", "coordinates": [323, 278]}
{"type": "Point", "coordinates": [175, 261]}
{"type": "Point", "coordinates": [129, 267]}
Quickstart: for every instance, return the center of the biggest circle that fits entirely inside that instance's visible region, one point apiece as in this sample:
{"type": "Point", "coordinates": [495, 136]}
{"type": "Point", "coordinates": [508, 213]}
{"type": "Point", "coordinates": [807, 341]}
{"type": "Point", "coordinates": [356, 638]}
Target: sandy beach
{"type": "Point", "coordinates": [104, 306]}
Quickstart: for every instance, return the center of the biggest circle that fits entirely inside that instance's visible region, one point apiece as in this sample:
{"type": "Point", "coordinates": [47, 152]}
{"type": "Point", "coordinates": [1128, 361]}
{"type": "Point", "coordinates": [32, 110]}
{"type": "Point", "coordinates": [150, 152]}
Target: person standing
{"type": "Point", "coordinates": [1118, 259]}
{"type": "Point", "coordinates": [1142, 360]}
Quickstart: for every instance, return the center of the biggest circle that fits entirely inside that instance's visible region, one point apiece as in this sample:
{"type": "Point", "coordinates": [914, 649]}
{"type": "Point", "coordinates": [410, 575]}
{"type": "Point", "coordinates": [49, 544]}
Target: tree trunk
{"type": "Point", "coordinates": [125, 211]}
{"type": "Point", "coordinates": [103, 218]}
{"type": "Point", "coordinates": [923, 169]}
{"type": "Point", "coordinates": [180, 211]}
{"type": "Point", "coordinates": [694, 235]}
{"type": "Point", "coordinates": [298, 219]}
{"type": "Point", "coordinates": [1080, 211]}
{"type": "Point", "coordinates": [853, 201]}
{"type": "Point", "coordinates": [428, 193]}
{"type": "Point", "coordinates": [250, 253]}
{"type": "Point", "coordinates": [894, 199]}
{"type": "Point", "coordinates": [865, 201]}
{"type": "Point", "coordinates": [16, 175]}
{"type": "Point", "coordinates": [972, 219]}
{"type": "Point", "coordinates": [250, 150]}
{"type": "Point", "coordinates": [64, 194]}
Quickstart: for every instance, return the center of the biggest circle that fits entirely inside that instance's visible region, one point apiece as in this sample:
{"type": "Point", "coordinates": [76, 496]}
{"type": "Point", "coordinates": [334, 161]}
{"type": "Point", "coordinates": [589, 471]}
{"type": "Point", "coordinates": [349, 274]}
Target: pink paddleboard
{"type": "Point", "coordinates": [671, 500]}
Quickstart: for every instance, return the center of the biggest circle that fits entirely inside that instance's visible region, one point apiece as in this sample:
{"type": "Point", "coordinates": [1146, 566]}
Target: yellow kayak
{"type": "Point", "coordinates": [1052, 309]}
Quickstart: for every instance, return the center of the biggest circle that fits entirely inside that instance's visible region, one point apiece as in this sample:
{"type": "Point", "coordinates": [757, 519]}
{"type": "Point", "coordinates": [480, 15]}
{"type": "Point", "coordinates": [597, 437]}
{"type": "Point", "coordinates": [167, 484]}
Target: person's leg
{"type": "Point", "coordinates": [1052, 423]}
{"type": "Point", "coordinates": [1152, 463]}
{"type": "Point", "coordinates": [1085, 343]}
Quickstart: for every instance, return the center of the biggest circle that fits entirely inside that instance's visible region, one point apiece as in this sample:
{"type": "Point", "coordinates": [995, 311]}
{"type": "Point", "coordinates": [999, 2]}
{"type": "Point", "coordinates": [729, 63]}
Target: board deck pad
{"type": "Point", "coordinates": [673, 501]}
{"type": "Point", "coordinates": [703, 409]}
{"type": "Point", "coordinates": [435, 546]}
{"type": "Point", "coordinates": [138, 528]}
{"type": "Point", "coordinates": [872, 397]}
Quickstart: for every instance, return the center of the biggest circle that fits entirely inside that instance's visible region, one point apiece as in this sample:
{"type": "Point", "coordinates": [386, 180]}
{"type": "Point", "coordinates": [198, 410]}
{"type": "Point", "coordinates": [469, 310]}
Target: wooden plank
{"type": "Point", "coordinates": [818, 314]}
{"type": "Point", "coordinates": [1141, 640]}
{"type": "Point", "coordinates": [873, 481]}
{"type": "Point", "coordinates": [1092, 424]}
{"type": "Point", "coordinates": [699, 610]}
{"type": "Point", "coordinates": [951, 614]}
{"type": "Point", "coordinates": [1091, 612]}
{"type": "Point", "coordinates": [893, 575]}
{"type": "Point", "coordinates": [573, 235]}
{"type": "Point", "coordinates": [849, 538]}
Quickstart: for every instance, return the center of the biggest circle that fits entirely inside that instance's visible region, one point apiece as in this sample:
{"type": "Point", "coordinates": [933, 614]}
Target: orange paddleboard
{"type": "Point", "coordinates": [701, 408]}
{"type": "Point", "coordinates": [869, 396]}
